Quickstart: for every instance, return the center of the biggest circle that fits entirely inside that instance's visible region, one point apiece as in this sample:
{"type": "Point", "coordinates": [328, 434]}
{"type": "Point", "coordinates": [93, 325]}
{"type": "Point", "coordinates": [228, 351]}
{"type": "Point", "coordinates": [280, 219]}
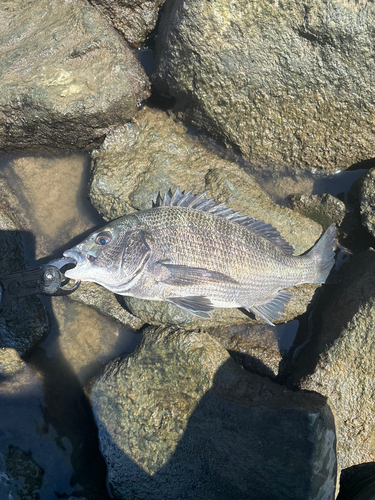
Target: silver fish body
{"type": "Point", "coordinates": [198, 255]}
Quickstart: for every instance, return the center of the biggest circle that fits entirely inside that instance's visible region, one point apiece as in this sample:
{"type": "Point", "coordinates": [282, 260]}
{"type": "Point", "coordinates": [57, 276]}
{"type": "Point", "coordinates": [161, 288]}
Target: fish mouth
{"type": "Point", "coordinates": [77, 259]}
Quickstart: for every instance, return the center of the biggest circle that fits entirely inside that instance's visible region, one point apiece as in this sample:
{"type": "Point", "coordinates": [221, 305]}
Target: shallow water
{"type": "Point", "coordinates": [44, 410]}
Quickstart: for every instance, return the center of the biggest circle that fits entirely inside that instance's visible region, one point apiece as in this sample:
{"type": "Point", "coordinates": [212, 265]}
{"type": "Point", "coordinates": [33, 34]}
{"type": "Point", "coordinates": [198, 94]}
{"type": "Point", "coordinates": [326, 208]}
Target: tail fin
{"type": "Point", "coordinates": [324, 255]}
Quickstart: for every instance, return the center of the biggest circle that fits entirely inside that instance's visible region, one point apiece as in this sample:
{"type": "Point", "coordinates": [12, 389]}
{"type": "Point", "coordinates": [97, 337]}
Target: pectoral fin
{"type": "Point", "coordinates": [273, 308]}
{"type": "Point", "coordinates": [197, 305]}
{"type": "Point", "coordinates": [193, 276]}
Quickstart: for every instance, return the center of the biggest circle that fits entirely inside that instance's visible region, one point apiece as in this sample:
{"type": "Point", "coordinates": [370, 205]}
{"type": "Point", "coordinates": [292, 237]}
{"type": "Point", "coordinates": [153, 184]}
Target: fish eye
{"type": "Point", "coordinates": [103, 238]}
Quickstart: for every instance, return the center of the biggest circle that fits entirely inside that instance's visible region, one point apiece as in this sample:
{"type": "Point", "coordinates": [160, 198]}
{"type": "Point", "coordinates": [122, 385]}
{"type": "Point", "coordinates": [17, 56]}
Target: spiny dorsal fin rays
{"type": "Point", "coordinates": [200, 202]}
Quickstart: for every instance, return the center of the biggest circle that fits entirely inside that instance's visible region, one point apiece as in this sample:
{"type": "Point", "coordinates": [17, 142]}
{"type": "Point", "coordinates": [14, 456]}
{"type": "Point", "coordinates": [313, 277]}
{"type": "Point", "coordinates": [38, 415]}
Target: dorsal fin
{"type": "Point", "coordinates": [200, 202]}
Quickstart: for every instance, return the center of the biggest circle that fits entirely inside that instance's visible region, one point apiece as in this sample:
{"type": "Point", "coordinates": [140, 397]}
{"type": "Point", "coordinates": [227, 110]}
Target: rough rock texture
{"type": "Point", "coordinates": [134, 19]}
{"type": "Point", "coordinates": [277, 80]}
{"type": "Point", "coordinates": [367, 200]}
{"type": "Point", "coordinates": [105, 302]}
{"type": "Point", "coordinates": [338, 362]}
{"type": "Point", "coordinates": [10, 361]}
{"type": "Point", "coordinates": [23, 322]}
{"type": "Point", "coordinates": [27, 474]}
{"type": "Point", "coordinates": [324, 209]}
{"type": "Point", "coordinates": [258, 348]}
{"type": "Point", "coordinates": [179, 418]}
{"type": "Point", "coordinates": [65, 76]}
{"type": "Point", "coordinates": [136, 162]}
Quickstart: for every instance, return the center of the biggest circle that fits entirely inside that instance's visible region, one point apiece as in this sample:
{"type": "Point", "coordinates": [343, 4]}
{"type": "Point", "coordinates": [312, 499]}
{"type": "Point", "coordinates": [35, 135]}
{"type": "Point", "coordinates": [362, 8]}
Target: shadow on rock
{"type": "Point", "coordinates": [338, 305]}
{"type": "Point", "coordinates": [23, 320]}
{"type": "Point", "coordinates": [179, 418]}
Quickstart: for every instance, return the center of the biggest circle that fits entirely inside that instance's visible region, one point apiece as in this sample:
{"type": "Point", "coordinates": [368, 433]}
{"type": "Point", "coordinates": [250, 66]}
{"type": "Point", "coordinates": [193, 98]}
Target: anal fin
{"type": "Point", "coordinates": [197, 305]}
{"type": "Point", "coordinates": [273, 308]}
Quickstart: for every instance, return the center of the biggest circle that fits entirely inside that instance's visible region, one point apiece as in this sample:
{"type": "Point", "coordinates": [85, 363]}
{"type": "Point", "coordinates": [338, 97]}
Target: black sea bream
{"type": "Point", "coordinates": [197, 254]}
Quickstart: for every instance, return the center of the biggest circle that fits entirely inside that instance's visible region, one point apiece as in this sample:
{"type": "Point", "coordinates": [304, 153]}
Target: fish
{"type": "Point", "coordinates": [198, 254]}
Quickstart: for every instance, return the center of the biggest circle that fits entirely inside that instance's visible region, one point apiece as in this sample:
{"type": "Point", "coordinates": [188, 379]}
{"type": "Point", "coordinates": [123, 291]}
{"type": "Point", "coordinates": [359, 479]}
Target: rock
{"type": "Point", "coordinates": [324, 209]}
{"type": "Point", "coordinates": [10, 362]}
{"type": "Point", "coordinates": [367, 200]}
{"type": "Point", "coordinates": [136, 162]}
{"type": "Point", "coordinates": [134, 20]}
{"type": "Point", "coordinates": [338, 361]}
{"type": "Point", "coordinates": [65, 76]}
{"type": "Point", "coordinates": [105, 302]}
{"type": "Point", "coordinates": [179, 418]}
{"type": "Point", "coordinates": [25, 472]}
{"type": "Point", "coordinates": [258, 348]}
{"type": "Point", "coordinates": [91, 340]}
{"type": "Point", "coordinates": [357, 482]}
{"type": "Point", "coordinates": [23, 322]}
{"type": "Point", "coordinates": [278, 81]}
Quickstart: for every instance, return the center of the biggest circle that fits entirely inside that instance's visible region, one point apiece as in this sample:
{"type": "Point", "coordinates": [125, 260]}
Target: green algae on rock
{"type": "Point", "coordinates": [178, 418]}
{"type": "Point", "coordinates": [278, 81]}
{"type": "Point", "coordinates": [65, 76]}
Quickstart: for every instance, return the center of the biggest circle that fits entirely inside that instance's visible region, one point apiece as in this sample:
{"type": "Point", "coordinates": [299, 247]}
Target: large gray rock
{"type": "Point", "coordinates": [279, 81]}
{"type": "Point", "coordinates": [134, 19]}
{"type": "Point", "coordinates": [65, 76]}
{"type": "Point", "coordinates": [339, 360]}
{"type": "Point", "coordinates": [179, 418]}
{"type": "Point", "coordinates": [23, 321]}
{"type": "Point", "coordinates": [137, 161]}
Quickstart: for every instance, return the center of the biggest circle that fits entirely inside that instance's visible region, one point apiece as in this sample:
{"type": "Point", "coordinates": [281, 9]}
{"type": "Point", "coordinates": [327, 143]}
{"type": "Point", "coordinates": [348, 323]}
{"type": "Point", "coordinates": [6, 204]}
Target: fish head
{"type": "Point", "coordinates": [111, 256]}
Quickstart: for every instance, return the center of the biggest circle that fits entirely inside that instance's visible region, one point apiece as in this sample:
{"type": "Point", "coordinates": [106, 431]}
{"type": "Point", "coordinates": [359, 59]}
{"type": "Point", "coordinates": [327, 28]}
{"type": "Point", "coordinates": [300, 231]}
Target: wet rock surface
{"type": "Point", "coordinates": [134, 19]}
{"type": "Point", "coordinates": [27, 474]}
{"type": "Point", "coordinates": [179, 419]}
{"type": "Point", "coordinates": [138, 161]}
{"type": "Point", "coordinates": [23, 321]}
{"type": "Point", "coordinates": [24, 463]}
{"type": "Point", "coordinates": [277, 81]}
{"type": "Point", "coordinates": [65, 76]}
{"type": "Point", "coordinates": [324, 209]}
{"type": "Point", "coordinates": [259, 349]}
{"type": "Point", "coordinates": [195, 412]}
{"type": "Point", "coordinates": [105, 301]}
{"type": "Point", "coordinates": [338, 362]}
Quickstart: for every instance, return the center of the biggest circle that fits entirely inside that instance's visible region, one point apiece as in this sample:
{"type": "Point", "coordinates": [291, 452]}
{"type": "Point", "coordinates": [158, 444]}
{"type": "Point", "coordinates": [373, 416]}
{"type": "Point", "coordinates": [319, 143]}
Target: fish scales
{"type": "Point", "coordinates": [197, 239]}
{"type": "Point", "coordinates": [199, 258]}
